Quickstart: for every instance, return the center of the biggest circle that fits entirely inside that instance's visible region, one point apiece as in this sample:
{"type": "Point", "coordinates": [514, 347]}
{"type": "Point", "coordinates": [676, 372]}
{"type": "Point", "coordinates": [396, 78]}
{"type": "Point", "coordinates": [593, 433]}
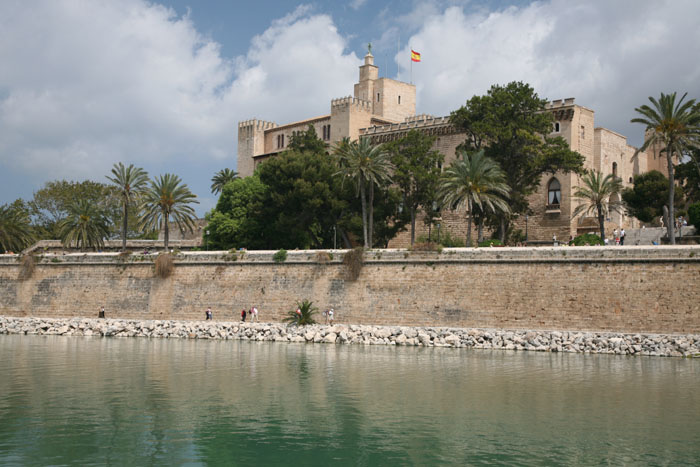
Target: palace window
{"type": "Point", "coordinates": [554, 192]}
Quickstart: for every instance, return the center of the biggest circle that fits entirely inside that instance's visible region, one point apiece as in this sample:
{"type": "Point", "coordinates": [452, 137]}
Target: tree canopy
{"type": "Point", "coordinates": [512, 125]}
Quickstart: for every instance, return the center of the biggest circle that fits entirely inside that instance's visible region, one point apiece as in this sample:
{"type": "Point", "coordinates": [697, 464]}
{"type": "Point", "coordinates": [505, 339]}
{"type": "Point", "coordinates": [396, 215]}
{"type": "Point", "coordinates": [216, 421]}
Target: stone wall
{"type": "Point", "coordinates": [616, 289]}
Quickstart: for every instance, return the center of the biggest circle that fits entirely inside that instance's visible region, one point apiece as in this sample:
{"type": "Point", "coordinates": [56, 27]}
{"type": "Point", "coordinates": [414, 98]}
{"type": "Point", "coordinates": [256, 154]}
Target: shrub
{"type": "Point", "coordinates": [446, 240]}
{"type": "Point", "coordinates": [26, 267]}
{"type": "Point", "coordinates": [694, 215]}
{"type": "Point", "coordinates": [305, 315]}
{"type": "Point", "coordinates": [489, 243]}
{"type": "Point", "coordinates": [280, 256]}
{"type": "Point", "coordinates": [354, 260]}
{"type": "Point", "coordinates": [588, 239]}
{"type": "Point", "coordinates": [164, 265]}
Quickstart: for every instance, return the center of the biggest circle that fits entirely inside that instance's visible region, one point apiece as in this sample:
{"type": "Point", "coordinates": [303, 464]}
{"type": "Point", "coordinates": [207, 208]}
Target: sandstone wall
{"type": "Point", "coordinates": [618, 289]}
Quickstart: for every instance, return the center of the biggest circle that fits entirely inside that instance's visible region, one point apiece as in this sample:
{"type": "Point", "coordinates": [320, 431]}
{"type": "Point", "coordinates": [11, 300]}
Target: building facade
{"type": "Point", "coordinates": [384, 109]}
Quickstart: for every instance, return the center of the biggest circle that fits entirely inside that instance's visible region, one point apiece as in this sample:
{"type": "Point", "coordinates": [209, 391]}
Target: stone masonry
{"type": "Point", "coordinates": [613, 289]}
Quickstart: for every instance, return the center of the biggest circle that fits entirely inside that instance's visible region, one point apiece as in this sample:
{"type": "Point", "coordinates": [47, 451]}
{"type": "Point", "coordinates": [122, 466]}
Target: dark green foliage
{"type": "Point", "coordinates": [50, 204]}
{"type": "Point", "coordinates": [646, 200]}
{"type": "Point", "coordinates": [280, 256]}
{"type": "Point", "coordinates": [354, 260]}
{"type": "Point", "coordinates": [16, 233]}
{"type": "Point", "coordinates": [588, 239]}
{"type": "Point", "coordinates": [236, 222]}
{"type": "Point", "coordinates": [490, 243]}
{"type": "Point", "coordinates": [694, 215]}
{"type": "Point", "coordinates": [85, 226]}
{"type": "Point", "coordinates": [307, 141]}
{"type": "Point", "coordinates": [221, 178]}
{"type": "Point", "coordinates": [305, 316]}
{"type": "Point", "coordinates": [511, 124]}
{"type": "Point", "coordinates": [416, 172]}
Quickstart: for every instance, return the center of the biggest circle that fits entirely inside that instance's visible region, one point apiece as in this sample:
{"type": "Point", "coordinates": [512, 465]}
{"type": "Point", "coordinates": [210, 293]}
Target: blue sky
{"type": "Point", "coordinates": [162, 84]}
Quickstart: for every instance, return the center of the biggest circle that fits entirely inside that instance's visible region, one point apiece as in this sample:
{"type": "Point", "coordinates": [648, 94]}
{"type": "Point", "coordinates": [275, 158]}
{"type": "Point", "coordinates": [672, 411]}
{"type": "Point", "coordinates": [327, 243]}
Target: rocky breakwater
{"type": "Point", "coordinates": [667, 345]}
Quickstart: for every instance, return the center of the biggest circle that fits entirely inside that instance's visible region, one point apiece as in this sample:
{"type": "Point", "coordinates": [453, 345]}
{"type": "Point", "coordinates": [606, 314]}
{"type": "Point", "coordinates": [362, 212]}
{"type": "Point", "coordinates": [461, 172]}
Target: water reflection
{"type": "Point", "coordinates": [160, 401]}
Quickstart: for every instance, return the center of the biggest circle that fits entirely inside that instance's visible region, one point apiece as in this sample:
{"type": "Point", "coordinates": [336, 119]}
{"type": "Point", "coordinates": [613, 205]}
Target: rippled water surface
{"type": "Point", "coordinates": [81, 401]}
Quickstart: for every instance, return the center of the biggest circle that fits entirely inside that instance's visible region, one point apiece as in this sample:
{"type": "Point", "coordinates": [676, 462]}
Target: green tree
{"type": "Point", "coordinates": [595, 195]}
{"type": "Point", "coordinates": [221, 178]}
{"type": "Point", "coordinates": [474, 180]}
{"type": "Point", "coordinates": [51, 203]}
{"type": "Point", "coordinates": [85, 226]}
{"type": "Point", "coordinates": [236, 220]}
{"type": "Point", "coordinates": [16, 232]}
{"type": "Point", "coordinates": [167, 198]}
{"type": "Point", "coordinates": [512, 125]}
{"type": "Point", "coordinates": [675, 126]}
{"type": "Point", "coordinates": [416, 172]}
{"type": "Point", "coordinates": [307, 141]}
{"type": "Point", "coordinates": [367, 166]}
{"type": "Point", "coordinates": [130, 182]}
{"type": "Point", "coordinates": [647, 198]}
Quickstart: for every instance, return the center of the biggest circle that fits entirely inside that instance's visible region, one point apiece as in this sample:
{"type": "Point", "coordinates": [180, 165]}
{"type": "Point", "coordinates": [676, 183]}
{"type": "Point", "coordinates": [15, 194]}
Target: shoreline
{"type": "Point", "coordinates": [615, 343]}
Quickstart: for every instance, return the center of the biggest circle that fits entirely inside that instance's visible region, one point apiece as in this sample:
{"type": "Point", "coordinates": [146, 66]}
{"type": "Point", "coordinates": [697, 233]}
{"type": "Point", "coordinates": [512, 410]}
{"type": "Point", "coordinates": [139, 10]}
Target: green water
{"type": "Point", "coordinates": [83, 401]}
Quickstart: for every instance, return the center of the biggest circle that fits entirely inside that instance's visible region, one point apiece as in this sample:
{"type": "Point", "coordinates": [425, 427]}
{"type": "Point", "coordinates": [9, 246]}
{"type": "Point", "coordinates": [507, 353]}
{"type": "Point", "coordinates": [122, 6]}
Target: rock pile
{"type": "Point", "coordinates": [666, 345]}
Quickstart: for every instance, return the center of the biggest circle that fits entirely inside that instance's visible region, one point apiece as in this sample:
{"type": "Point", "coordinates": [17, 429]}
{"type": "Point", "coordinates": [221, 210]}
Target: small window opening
{"type": "Point", "coordinates": [554, 192]}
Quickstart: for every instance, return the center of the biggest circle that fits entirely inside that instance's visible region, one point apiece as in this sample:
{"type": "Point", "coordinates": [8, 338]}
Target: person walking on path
{"type": "Point", "coordinates": [243, 313]}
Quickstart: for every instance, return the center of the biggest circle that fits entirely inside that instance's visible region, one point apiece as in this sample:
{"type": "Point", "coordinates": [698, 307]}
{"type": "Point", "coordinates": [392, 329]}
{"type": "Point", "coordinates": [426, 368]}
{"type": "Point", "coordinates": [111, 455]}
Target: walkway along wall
{"type": "Point", "coordinates": [622, 289]}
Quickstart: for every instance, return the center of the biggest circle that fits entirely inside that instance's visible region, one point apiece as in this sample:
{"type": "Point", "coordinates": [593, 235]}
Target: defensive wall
{"type": "Point", "coordinates": [616, 289]}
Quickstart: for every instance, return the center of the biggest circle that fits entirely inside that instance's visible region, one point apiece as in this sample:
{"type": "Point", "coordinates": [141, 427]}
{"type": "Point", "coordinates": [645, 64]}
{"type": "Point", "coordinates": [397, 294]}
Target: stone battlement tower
{"type": "Point", "coordinates": [375, 101]}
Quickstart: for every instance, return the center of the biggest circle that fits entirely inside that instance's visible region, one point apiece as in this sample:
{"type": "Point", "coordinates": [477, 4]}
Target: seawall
{"type": "Point", "coordinates": [607, 289]}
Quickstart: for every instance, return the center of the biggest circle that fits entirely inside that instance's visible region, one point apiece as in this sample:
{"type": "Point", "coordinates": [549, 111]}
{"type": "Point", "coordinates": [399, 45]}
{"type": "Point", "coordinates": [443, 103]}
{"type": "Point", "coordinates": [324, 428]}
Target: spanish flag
{"type": "Point", "coordinates": [415, 56]}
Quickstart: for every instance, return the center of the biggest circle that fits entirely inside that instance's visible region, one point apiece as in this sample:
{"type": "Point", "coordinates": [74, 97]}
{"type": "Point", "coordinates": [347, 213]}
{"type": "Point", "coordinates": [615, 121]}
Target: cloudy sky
{"type": "Point", "coordinates": [162, 84]}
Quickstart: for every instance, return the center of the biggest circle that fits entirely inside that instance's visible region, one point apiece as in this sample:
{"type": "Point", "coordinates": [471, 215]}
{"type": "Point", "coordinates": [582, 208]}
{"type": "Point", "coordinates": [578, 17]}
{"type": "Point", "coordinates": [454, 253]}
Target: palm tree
{"type": "Point", "coordinates": [15, 229]}
{"type": "Point", "coordinates": [366, 165]}
{"type": "Point", "coordinates": [221, 178]}
{"type": "Point", "coordinates": [86, 226]}
{"type": "Point", "coordinates": [304, 316]}
{"type": "Point", "coordinates": [595, 193]}
{"type": "Point", "coordinates": [131, 182]}
{"type": "Point", "coordinates": [167, 197]}
{"type": "Point", "coordinates": [474, 180]}
{"type": "Point", "coordinates": [676, 127]}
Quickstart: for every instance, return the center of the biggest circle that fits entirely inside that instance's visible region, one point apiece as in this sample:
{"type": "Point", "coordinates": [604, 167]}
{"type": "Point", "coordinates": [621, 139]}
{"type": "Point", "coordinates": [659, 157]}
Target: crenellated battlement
{"type": "Point", "coordinates": [256, 124]}
{"type": "Point", "coordinates": [349, 101]}
{"type": "Point", "coordinates": [560, 103]}
{"type": "Point", "coordinates": [416, 122]}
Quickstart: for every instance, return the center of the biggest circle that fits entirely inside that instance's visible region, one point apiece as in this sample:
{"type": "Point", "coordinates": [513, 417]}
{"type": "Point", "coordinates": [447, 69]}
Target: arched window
{"type": "Point", "coordinates": [614, 169]}
{"type": "Point", "coordinates": [554, 192]}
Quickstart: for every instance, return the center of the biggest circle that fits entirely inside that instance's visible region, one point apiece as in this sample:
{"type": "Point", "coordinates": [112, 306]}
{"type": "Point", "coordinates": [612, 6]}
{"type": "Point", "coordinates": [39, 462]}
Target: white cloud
{"type": "Point", "coordinates": [609, 55]}
{"type": "Point", "coordinates": [85, 84]}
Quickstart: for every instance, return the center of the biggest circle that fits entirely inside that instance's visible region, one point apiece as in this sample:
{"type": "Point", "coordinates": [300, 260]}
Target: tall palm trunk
{"type": "Point", "coordinates": [469, 224]}
{"type": "Point", "coordinates": [670, 227]}
{"type": "Point", "coordinates": [370, 234]}
{"type": "Point", "coordinates": [363, 202]}
{"type": "Point", "coordinates": [166, 233]}
{"type": "Point", "coordinates": [125, 225]}
{"type": "Point", "coordinates": [601, 222]}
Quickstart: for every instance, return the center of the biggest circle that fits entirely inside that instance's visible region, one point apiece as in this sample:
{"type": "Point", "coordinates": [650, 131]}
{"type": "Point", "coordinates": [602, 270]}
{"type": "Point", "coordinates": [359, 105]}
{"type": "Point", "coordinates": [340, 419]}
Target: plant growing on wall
{"type": "Point", "coordinates": [280, 256]}
{"type": "Point", "coordinates": [303, 314]}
